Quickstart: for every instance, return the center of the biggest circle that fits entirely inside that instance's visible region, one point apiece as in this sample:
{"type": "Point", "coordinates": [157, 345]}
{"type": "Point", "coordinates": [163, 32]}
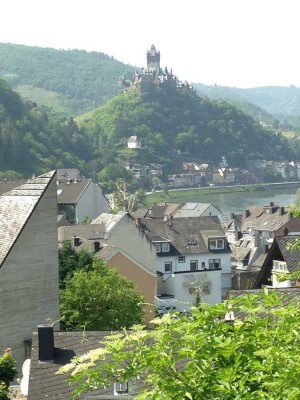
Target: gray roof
{"type": "Point", "coordinates": [7, 185]}
{"type": "Point", "coordinates": [290, 256]}
{"type": "Point", "coordinates": [194, 210]}
{"type": "Point", "coordinates": [260, 219]}
{"type": "Point", "coordinates": [44, 383]}
{"type": "Point", "coordinates": [16, 207]}
{"type": "Point", "coordinates": [108, 220]}
{"type": "Point", "coordinates": [87, 232]}
{"type": "Point", "coordinates": [70, 193]}
{"type": "Point", "coordinates": [161, 210]}
{"type": "Point", "coordinates": [187, 235]}
{"type": "Point", "coordinates": [65, 174]}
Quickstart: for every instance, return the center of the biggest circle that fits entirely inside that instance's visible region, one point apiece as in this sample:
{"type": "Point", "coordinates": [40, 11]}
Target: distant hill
{"type": "Point", "coordinates": [71, 81]}
{"type": "Point", "coordinates": [174, 126]}
{"type": "Point", "coordinates": [271, 101]}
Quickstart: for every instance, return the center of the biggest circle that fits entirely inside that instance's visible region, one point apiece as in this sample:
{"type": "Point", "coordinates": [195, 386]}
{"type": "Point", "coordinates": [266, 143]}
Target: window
{"type": "Point", "coordinates": [214, 263]}
{"type": "Point", "coordinates": [181, 259]}
{"type": "Point", "coordinates": [162, 247]}
{"type": "Point", "coordinates": [168, 267]}
{"type": "Point", "coordinates": [216, 244]}
{"type": "Point", "coordinates": [165, 247]}
{"type": "Point", "coordinates": [194, 265]}
{"type": "Point", "coordinates": [280, 266]}
{"type": "Point", "coordinates": [203, 265]}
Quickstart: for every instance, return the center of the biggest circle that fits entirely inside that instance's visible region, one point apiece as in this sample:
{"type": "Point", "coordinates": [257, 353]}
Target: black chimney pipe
{"type": "Point", "coordinates": [46, 342]}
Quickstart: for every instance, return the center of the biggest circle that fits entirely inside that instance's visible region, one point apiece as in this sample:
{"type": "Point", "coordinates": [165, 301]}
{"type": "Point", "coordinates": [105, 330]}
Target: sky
{"type": "Point", "coordinates": [236, 43]}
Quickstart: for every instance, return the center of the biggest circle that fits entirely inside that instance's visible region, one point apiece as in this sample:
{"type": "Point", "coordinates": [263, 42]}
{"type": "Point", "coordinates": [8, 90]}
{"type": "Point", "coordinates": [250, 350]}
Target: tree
{"type": "Point", "coordinates": [100, 299]}
{"type": "Point", "coordinates": [8, 373]}
{"type": "Point", "coordinates": [71, 260]}
{"type": "Point", "coordinates": [205, 355]}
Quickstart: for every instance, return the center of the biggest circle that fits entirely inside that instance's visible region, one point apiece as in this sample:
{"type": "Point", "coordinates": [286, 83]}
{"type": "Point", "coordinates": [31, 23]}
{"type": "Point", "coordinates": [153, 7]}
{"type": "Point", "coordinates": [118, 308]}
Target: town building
{"type": "Point", "coordinates": [28, 263]}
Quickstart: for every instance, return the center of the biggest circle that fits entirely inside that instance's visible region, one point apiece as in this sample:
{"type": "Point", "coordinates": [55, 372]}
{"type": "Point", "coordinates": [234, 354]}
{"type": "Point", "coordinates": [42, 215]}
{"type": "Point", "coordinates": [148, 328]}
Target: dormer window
{"type": "Point", "coordinates": [162, 247]}
{"type": "Point", "coordinates": [216, 244]}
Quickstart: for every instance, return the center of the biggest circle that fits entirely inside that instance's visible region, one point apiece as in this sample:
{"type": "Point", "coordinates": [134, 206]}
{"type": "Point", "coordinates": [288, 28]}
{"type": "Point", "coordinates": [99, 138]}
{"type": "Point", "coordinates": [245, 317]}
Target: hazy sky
{"type": "Point", "coordinates": [241, 43]}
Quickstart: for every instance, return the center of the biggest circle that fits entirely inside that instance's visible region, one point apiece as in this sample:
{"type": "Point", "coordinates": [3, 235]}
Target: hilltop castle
{"type": "Point", "coordinates": [153, 76]}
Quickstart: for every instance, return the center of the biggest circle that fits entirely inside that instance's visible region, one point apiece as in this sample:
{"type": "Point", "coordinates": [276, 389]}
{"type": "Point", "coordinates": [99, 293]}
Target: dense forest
{"type": "Point", "coordinates": [73, 81]}
{"type": "Point", "coordinates": [174, 126]}
{"type": "Point", "coordinates": [34, 140]}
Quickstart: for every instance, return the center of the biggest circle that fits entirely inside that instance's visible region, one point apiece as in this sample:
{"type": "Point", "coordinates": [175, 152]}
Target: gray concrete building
{"type": "Point", "coordinates": [29, 293]}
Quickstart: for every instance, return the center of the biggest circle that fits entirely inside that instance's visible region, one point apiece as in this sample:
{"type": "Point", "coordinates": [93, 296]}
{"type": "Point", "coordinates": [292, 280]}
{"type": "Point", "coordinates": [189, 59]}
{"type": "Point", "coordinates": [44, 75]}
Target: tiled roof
{"type": "Point", "coordinates": [290, 256]}
{"type": "Point", "coordinates": [187, 235]}
{"type": "Point", "coordinates": [193, 210]}
{"type": "Point", "coordinates": [64, 174]}
{"type": "Point", "coordinates": [70, 193]}
{"type": "Point", "coordinates": [16, 207]}
{"type": "Point", "coordinates": [95, 231]}
{"type": "Point", "coordinates": [261, 220]}
{"type": "Point", "coordinates": [161, 210]}
{"type": "Point", "coordinates": [44, 383]}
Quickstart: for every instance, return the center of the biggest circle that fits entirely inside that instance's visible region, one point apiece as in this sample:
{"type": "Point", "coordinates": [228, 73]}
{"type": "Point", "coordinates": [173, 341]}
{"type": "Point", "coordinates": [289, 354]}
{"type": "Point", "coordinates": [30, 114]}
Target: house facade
{"type": "Point", "coordinates": [29, 292]}
{"type": "Point", "coordinates": [193, 257]}
{"type": "Point", "coordinates": [80, 199]}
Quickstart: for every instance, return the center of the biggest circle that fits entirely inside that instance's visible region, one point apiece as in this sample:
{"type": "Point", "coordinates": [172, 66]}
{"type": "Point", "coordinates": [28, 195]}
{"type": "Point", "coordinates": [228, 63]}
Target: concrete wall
{"type": "Point", "coordinates": [92, 203]}
{"type": "Point", "coordinates": [29, 278]}
{"type": "Point", "coordinates": [128, 237]}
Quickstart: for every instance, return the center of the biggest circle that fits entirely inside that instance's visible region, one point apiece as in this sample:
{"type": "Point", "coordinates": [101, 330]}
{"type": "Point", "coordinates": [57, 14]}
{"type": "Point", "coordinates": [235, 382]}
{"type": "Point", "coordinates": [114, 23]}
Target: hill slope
{"type": "Point", "coordinates": [73, 81]}
{"type": "Point", "coordinates": [273, 100]}
{"type": "Point", "coordinates": [174, 125]}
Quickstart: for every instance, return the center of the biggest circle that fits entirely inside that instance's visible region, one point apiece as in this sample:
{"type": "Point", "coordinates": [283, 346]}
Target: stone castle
{"type": "Point", "coordinates": [154, 75]}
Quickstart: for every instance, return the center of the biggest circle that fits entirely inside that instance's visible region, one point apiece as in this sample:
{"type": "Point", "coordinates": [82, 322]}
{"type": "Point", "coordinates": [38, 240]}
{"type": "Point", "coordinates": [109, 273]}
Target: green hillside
{"type": "Point", "coordinates": [72, 81]}
{"type": "Point", "coordinates": [33, 140]}
{"type": "Point", "coordinates": [271, 101]}
{"type": "Point", "coordinates": [174, 126]}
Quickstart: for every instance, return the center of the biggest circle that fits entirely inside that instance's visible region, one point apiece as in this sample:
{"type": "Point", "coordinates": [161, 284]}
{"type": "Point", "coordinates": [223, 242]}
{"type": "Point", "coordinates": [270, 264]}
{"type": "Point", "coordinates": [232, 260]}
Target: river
{"type": "Point", "coordinates": [237, 202]}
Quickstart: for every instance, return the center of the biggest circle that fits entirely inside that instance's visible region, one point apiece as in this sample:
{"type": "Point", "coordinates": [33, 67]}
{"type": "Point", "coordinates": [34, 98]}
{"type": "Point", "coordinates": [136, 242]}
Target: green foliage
{"type": "Point", "coordinates": [35, 141]}
{"type": "Point", "coordinates": [73, 81]}
{"type": "Point", "coordinates": [204, 357]}
{"type": "Point", "coordinates": [8, 373]}
{"type": "Point", "coordinates": [100, 299]}
{"type": "Point", "coordinates": [71, 260]}
{"type": "Point", "coordinates": [174, 126]}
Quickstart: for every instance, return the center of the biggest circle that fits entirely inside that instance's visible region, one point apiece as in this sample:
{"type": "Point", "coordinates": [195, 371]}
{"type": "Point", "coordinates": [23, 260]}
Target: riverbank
{"type": "Point", "coordinates": [172, 195]}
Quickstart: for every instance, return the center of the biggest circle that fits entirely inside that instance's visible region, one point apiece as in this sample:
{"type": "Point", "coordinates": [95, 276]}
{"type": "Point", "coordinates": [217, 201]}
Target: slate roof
{"type": "Point", "coordinates": [16, 207]}
{"type": "Point", "coordinates": [43, 382]}
{"type": "Point", "coordinates": [7, 185]}
{"type": "Point", "coordinates": [64, 174]}
{"type": "Point", "coordinates": [161, 210]}
{"type": "Point", "coordinates": [70, 193]}
{"type": "Point", "coordinates": [108, 220]}
{"type": "Point", "coordinates": [90, 232]}
{"type": "Point", "coordinates": [193, 210]}
{"type": "Point", "coordinates": [280, 252]}
{"type": "Point", "coordinates": [261, 220]}
{"type": "Point", "coordinates": [187, 235]}
{"type": "Point", "coordinates": [287, 295]}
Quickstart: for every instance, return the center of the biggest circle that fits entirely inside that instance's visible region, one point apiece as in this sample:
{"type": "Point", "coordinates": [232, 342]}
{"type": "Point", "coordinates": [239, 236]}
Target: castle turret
{"type": "Point", "coordinates": [153, 59]}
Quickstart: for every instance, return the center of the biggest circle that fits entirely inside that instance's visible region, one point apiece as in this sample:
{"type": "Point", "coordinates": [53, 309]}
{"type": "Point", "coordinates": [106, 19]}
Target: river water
{"type": "Point", "coordinates": [237, 202]}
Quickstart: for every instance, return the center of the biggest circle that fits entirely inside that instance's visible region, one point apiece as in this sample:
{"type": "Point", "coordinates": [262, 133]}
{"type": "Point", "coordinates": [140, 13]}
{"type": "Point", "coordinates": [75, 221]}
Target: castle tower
{"type": "Point", "coordinates": [153, 59]}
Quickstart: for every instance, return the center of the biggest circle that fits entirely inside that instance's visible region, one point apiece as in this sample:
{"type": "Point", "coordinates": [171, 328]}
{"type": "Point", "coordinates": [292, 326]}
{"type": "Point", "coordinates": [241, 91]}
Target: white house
{"type": "Point", "coordinates": [192, 255]}
{"type": "Point", "coordinates": [80, 199]}
{"type": "Point", "coordinates": [134, 143]}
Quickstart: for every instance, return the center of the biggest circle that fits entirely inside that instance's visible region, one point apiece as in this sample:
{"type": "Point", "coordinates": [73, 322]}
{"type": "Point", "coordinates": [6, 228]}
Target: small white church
{"type": "Point", "coordinates": [134, 142]}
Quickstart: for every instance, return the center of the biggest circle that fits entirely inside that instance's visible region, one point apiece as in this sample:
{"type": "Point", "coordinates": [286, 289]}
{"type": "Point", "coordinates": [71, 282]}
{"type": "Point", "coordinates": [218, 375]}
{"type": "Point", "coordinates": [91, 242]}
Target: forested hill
{"type": "Point", "coordinates": [174, 126]}
{"type": "Point", "coordinates": [32, 140]}
{"type": "Point", "coordinates": [274, 100]}
{"type": "Point", "coordinates": [73, 81]}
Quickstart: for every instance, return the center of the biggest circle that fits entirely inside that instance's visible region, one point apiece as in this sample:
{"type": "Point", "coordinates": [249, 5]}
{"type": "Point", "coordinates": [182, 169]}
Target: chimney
{"type": "Point", "coordinates": [246, 213]}
{"type": "Point", "coordinates": [97, 246]}
{"type": "Point", "coordinates": [231, 215]}
{"type": "Point", "coordinates": [76, 241]}
{"type": "Point", "coordinates": [281, 211]}
{"type": "Point", "coordinates": [46, 342]}
{"type": "Point", "coordinates": [271, 203]}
